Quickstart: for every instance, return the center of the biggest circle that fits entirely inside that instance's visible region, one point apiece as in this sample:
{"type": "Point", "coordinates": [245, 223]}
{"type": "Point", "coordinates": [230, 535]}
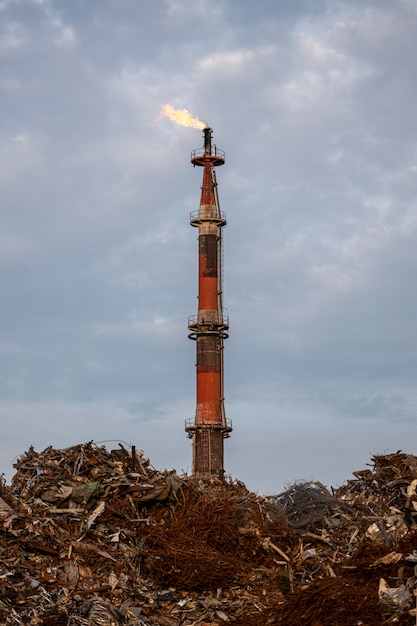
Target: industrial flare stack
{"type": "Point", "coordinates": [209, 328]}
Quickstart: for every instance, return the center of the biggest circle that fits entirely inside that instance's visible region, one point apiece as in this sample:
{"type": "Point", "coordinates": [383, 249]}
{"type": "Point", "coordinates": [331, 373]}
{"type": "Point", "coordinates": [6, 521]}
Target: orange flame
{"type": "Point", "coordinates": [182, 117]}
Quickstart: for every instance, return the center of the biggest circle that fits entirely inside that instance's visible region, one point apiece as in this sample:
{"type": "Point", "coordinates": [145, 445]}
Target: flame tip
{"type": "Point", "coordinates": [182, 117]}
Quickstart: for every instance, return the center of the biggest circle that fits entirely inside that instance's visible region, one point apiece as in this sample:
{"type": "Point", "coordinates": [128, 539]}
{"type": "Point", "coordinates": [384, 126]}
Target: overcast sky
{"type": "Point", "coordinates": [314, 103]}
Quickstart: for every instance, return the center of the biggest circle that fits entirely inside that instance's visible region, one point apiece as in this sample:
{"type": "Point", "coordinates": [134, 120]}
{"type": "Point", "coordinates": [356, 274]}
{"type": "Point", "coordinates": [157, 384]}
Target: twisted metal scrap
{"type": "Point", "coordinates": [306, 503]}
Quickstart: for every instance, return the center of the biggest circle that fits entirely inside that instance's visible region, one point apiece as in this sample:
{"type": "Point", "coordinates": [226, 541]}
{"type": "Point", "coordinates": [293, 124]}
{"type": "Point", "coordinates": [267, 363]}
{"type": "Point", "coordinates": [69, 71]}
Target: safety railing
{"type": "Point", "coordinates": [201, 152]}
{"type": "Point", "coordinates": [202, 319]}
{"type": "Point", "coordinates": [191, 425]}
{"type": "Point", "coordinates": [199, 217]}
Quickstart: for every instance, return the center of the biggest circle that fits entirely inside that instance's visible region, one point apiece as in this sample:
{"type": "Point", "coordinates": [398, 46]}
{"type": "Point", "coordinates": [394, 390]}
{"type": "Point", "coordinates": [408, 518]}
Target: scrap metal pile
{"type": "Point", "coordinates": [97, 537]}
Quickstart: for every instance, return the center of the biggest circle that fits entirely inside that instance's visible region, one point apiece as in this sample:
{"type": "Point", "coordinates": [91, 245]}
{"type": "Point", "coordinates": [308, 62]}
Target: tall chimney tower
{"type": "Point", "coordinates": [209, 328]}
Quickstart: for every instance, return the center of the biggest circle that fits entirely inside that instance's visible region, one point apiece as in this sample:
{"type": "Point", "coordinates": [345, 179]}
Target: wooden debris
{"type": "Point", "coordinates": [101, 538]}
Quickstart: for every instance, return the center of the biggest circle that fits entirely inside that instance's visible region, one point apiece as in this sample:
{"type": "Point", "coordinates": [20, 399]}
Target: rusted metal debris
{"type": "Point", "coordinates": [101, 538]}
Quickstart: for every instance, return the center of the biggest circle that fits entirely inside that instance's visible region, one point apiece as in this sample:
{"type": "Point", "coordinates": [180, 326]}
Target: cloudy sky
{"type": "Point", "coordinates": [313, 102]}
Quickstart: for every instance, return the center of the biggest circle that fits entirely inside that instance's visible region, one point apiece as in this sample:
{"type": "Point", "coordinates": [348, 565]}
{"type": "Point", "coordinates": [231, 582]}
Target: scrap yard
{"type": "Point", "coordinates": [101, 538]}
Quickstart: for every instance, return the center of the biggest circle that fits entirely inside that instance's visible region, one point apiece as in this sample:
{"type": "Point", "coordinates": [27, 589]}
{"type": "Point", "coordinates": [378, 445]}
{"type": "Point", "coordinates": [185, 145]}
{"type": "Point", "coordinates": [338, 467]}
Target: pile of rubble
{"type": "Point", "coordinates": [98, 537]}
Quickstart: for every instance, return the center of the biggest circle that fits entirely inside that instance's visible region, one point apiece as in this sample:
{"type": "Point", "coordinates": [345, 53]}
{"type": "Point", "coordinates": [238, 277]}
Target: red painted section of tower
{"type": "Point", "coordinates": [207, 191]}
{"type": "Point", "coordinates": [207, 290]}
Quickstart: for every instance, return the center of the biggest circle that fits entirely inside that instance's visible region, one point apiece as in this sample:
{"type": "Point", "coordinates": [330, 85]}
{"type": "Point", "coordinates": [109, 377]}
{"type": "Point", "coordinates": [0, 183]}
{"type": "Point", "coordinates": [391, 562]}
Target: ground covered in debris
{"type": "Point", "coordinates": [97, 537]}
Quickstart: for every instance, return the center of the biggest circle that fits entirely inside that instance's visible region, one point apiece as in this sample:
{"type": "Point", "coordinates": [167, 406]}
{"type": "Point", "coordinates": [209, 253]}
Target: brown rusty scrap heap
{"type": "Point", "coordinates": [101, 538]}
